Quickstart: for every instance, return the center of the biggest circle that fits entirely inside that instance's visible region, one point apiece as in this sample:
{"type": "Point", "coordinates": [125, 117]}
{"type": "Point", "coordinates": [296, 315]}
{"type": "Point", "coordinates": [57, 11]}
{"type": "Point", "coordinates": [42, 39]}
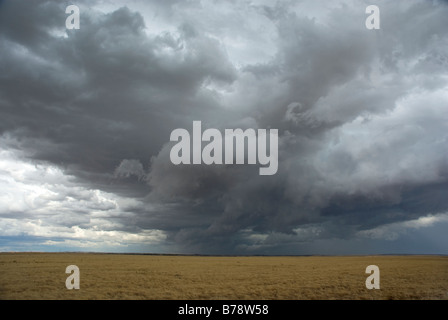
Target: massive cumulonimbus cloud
{"type": "Point", "coordinates": [86, 117]}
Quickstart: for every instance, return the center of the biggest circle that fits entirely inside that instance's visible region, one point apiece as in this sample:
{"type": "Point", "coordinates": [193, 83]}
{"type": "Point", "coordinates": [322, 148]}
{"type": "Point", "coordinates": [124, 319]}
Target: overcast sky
{"type": "Point", "coordinates": [86, 117]}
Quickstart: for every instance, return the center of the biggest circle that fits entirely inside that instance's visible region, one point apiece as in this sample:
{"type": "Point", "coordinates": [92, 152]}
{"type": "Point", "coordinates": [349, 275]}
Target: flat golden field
{"type": "Point", "coordinates": [154, 277]}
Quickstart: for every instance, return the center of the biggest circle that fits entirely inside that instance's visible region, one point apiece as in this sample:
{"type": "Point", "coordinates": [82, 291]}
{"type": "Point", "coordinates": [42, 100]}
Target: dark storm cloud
{"type": "Point", "coordinates": [361, 114]}
{"type": "Point", "coordinates": [104, 92]}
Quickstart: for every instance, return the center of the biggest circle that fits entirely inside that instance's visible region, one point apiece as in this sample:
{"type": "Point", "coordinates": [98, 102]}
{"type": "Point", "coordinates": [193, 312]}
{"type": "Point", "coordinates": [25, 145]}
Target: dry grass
{"type": "Point", "coordinates": [115, 276]}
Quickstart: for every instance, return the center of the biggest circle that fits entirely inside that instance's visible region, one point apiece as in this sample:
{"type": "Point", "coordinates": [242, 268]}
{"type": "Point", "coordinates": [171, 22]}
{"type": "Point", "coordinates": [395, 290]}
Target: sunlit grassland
{"type": "Point", "coordinates": [120, 276]}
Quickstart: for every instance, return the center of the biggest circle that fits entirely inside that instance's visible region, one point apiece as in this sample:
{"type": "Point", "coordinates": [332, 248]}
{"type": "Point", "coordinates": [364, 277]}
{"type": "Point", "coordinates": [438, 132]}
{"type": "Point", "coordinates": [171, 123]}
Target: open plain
{"type": "Point", "coordinates": [154, 277]}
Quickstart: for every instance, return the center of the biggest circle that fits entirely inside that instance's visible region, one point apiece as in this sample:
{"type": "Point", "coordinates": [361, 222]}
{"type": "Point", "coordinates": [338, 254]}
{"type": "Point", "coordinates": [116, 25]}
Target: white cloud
{"type": "Point", "coordinates": [393, 231]}
{"type": "Point", "coordinates": [40, 200]}
{"type": "Point", "coordinates": [394, 147]}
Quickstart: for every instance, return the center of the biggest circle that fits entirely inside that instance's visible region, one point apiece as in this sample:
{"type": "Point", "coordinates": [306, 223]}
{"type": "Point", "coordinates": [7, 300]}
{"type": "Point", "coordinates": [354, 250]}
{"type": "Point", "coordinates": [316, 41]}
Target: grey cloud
{"type": "Point", "coordinates": [360, 113]}
{"type": "Point", "coordinates": [104, 93]}
{"type": "Point", "coordinates": [129, 168]}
